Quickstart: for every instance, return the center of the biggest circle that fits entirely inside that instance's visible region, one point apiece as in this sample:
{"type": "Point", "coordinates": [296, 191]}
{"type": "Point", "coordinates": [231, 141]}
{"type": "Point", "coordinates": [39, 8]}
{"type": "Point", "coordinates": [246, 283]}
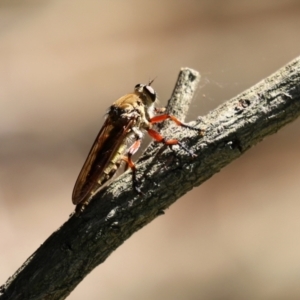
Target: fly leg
{"type": "Point", "coordinates": [128, 159]}
{"type": "Point", "coordinates": [163, 117]}
{"type": "Point", "coordinates": [160, 139]}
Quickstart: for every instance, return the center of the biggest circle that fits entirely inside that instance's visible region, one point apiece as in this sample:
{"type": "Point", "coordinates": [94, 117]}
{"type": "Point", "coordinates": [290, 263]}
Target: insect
{"type": "Point", "coordinates": [126, 120]}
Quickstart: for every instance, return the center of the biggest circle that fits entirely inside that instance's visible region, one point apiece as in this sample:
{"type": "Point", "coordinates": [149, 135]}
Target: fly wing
{"type": "Point", "coordinates": [110, 138]}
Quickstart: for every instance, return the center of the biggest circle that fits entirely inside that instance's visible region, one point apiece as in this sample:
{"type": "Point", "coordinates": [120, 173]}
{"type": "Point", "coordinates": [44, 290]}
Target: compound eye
{"type": "Point", "coordinates": [150, 92]}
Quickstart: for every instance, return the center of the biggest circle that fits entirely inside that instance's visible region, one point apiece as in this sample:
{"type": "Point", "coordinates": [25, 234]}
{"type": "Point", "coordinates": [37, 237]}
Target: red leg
{"type": "Point", "coordinates": [160, 139]}
{"type": "Point", "coordinates": [129, 162]}
{"type": "Point", "coordinates": [164, 117]}
{"type": "Point", "coordinates": [133, 148]}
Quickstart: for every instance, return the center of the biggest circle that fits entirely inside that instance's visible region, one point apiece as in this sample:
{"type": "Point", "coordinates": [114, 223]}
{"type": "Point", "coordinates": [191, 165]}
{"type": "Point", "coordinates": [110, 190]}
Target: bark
{"type": "Point", "coordinates": [116, 212]}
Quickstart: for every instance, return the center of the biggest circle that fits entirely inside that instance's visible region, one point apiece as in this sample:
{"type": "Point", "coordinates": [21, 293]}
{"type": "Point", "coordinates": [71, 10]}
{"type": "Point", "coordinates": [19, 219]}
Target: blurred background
{"type": "Point", "coordinates": [62, 63]}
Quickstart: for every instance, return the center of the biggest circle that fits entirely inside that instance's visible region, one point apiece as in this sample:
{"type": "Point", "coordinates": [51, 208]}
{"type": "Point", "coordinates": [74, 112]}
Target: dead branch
{"type": "Point", "coordinates": [116, 212]}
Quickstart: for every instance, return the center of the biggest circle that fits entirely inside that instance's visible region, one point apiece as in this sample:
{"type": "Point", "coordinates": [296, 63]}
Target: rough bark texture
{"type": "Point", "coordinates": [84, 242]}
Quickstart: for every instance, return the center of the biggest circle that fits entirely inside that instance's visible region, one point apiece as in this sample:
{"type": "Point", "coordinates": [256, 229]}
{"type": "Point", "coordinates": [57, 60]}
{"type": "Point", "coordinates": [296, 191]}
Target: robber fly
{"type": "Point", "coordinates": [126, 120]}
